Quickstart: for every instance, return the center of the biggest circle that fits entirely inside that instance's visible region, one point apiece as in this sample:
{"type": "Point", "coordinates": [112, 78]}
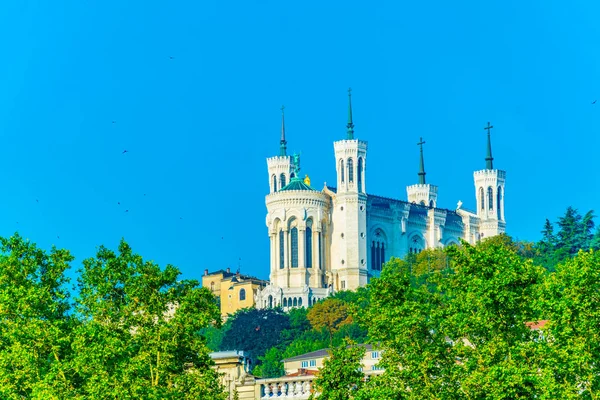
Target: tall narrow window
{"type": "Point", "coordinates": [295, 302]}
{"type": "Point", "coordinates": [281, 251]}
{"type": "Point", "coordinates": [350, 170]}
{"type": "Point", "coordinates": [342, 170]}
{"type": "Point", "coordinates": [491, 198]}
{"type": "Point", "coordinates": [308, 244]}
{"type": "Point", "coordinates": [320, 252]}
{"type": "Point", "coordinates": [285, 302]}
{"type": "Point", "coordinates": [274, 183]}
{"type": "Point", "coordinates": [382, 259]}
{"type": "Point", "coordinates": [482, 200]}
{"type": "Point", "coordinates": [282, 180]}
{"type": "Point", "coordinates": [270, 301]}
{"type": "Point", "coordinates": [294, 245]}
{"type": "Point", "coordinates": [360, 173]}
{"type": "Point", "coordinates": [499, 202]}
{"type": "Point", "coordinates": [242, 294]}
{"type": "Point", "coordinates": [212, 286]}
{"type": "Point", "coordinates": [373, 260]}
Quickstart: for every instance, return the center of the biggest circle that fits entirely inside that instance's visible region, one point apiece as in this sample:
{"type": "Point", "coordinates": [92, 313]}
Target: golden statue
{"type": "Point", "coordinates": [307, 180]}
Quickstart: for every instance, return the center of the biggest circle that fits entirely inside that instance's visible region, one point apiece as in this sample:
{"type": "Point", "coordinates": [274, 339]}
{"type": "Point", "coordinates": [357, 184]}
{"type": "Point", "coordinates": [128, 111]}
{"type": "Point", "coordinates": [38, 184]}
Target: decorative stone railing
{"type": "Point", "coordinates": [293, 387]}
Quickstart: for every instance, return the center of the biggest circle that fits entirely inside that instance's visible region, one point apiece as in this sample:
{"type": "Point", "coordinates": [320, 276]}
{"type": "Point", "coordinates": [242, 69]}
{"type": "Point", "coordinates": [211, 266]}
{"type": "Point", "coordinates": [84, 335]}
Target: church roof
{"type": "Point", "coordinates": [296, 184]}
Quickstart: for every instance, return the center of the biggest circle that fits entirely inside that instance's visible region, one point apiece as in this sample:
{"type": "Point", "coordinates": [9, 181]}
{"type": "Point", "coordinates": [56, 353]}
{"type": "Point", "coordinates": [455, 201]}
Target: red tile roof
{"type": "Point", "coordinates": [535, 325]}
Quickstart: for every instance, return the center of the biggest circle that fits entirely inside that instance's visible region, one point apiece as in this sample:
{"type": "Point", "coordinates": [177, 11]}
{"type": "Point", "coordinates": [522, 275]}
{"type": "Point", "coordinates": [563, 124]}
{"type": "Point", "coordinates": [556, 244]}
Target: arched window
{"type": "Point", "coordinates": [342, 170]}
{"type": "Point", "coordinates": [422, 202]}
{"type": "Point", "coordinates": [308, 246]}
{"type": "Point", "coordinates": [270, 301]}
{"type": "Point", "coordinates": [294, 245]}
{"type": "Point", "coordinates": [282, 180]}
{"type": "Point", "coordinates": [378, 251]}
{"type": "Point", "coordinates": [431, 203]}
{"type": "Point", "coordinates": [417, 244]}
{"type": "Point", "coordinates": [242, 294]}
{"type": "Point", "coordinates": [281, 251]}
{"type": "Point", "coordinates": [212, 286]}
{"type": "Point", "coordinates": [482, 200]}
{"type": "Point", "coordinates": [360, 173]}
{"type": "Point", "coordinates": [498, 202]}
{"type": "Point", "coordinates": [274, 183]}
{"type": "Point", "coordinates": [285, 302]}
{"type": "Point", "coordinates": [350, 170]}
{"type": "Point", "coordinates": [295, 302]}
{"type": "Point", "coordinates": [490, 198]}
{"type": "Point", "coordinates": [300, 302]}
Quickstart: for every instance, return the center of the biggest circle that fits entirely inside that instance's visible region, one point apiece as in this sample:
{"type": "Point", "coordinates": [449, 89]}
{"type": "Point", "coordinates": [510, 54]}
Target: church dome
{"type": "Point", "coordinates": [296, 184]}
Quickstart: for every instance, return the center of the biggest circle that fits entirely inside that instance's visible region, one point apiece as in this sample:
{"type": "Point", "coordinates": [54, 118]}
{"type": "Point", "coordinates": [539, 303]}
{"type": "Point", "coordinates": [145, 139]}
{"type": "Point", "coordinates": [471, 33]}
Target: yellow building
{"type": "Point", "coordinates": [234, 290]}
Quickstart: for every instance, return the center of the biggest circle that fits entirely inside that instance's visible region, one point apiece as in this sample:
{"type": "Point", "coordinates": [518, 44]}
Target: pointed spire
{"type": "Point", "coordinates": [421, 164]}
{"type": "Point", "coordinates": [350, 125]}
{"type": "Point", "coordinates": [282, 142]}
{"type": "Point", "coordinates": [489, 160]}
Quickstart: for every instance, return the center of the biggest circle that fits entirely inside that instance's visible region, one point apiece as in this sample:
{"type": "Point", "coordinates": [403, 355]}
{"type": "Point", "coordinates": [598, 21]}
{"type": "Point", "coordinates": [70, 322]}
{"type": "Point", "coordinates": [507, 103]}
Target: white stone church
{"type": "Point", "coordinates": [337, 238]}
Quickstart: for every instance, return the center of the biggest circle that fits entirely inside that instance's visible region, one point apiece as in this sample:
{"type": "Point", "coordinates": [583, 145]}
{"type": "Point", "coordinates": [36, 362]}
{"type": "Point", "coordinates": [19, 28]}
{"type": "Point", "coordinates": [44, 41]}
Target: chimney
{"type": "Point", "coordinates": [228, 270]}
{"type": "Point", "coordinates": [205, 272]}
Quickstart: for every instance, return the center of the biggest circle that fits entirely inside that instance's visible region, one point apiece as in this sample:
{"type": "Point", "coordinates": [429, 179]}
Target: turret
{"type": "Point", "coordinates": [489, 194]}
{"type": "Point", "coordinates": [280, 167]}
{"type": "Point", "coordinates": [422, 193]}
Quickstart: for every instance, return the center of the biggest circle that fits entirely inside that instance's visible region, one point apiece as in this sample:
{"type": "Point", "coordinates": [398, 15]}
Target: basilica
{"type": "Point", "coordinates": [338, 237]}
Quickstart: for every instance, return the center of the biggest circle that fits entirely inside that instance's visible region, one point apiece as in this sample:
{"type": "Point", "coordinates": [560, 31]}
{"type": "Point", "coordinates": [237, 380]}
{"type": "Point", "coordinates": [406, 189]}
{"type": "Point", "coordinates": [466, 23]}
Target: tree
{"type": "Point", "coordinates": [255, 331]}
{"type": "Point", "coordinates": [428, 261]}
{"type": "Point", "coordinates": [270, 365]}
{"type": "Point", "coordinates": [572, 339]}
{"type": "Point", "coordinates": [139, 333]}
{"type": "Point", "coordinates": [461, 334]}
{"type": "Point", "coordinates": [569, 235]}
{"type": "Point", "coordinates": [341, 377]}
{"type": "Point", "coordinates": [330, 314]}
{"type": "Point", "coordinates": [35, 325]}
{"type": "Point", "coordinates": [405, 319]}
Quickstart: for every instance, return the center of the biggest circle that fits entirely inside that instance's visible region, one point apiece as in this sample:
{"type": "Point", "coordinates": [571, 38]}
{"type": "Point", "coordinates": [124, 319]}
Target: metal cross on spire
{"type": "Point", "coordinates": [282, 142]}
{"type": "Point", "coordinates": [350, 125]}
{"type": "Point", "coordinates": [422, 164]}
{"type": "Point", "coordinates": [489, 160]}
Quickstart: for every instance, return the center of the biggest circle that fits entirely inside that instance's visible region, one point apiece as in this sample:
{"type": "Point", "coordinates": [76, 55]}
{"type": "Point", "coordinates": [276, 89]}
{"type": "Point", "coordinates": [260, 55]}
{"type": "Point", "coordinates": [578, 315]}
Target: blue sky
{"type": "Point", "coordinates": [198, 127]}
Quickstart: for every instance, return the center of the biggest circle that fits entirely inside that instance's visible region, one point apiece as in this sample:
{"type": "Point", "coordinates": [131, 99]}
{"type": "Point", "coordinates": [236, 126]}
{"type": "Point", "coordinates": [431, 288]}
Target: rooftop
{"type": "Point", "coordinates": [319, 354]}
{"type": "Point", "coordinates": [297, 184]}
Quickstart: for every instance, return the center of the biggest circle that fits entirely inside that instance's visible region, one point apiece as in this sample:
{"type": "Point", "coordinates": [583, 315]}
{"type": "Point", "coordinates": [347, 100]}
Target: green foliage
{"type": "Point", "coordinates": [35, 324]}
{"type": "Point", "coordinates": [131, 332]}
{"type": "Point", "coordinates": [330, 314]}
{"type": "Point", "coordinates": [255, 331]}
{"type": "Point", "coordinates": [463, 333]}
{"type": "Point", "coordinates": [140, 336]}
{"type": "Point", "coordinates": [570, 300]}
{"type": "Point", "coordinates": [340, 377]}
{"type": "Point", "coordinates": [270, 365]}
{"type": "Point", "coordinates": [575, 233]}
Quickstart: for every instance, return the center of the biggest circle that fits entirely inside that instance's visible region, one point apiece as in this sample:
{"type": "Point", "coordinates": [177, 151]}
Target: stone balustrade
{"type": "Point", "coordinates": [292, 387]}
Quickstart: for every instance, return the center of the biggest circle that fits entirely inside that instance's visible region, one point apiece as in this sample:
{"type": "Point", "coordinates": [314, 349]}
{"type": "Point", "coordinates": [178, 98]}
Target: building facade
{"type": "Point", "coordinates": [338, 237]}
{"type": "Point", "coordinates": [234, 290]}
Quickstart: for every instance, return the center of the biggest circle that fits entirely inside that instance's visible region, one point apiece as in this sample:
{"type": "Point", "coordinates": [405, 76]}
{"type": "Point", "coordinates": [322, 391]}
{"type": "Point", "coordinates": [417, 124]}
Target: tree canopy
{"type": "Point", "coordinates": [131, 332]}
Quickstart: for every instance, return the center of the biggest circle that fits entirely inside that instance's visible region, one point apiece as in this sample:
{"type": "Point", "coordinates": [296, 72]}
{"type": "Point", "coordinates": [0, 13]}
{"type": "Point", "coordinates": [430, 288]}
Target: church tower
{"type": "Point", "coordinates": [422, 193]}
{"type": "Point", "coordinates": [280, 167]}
{"type": "Point", "coordinates": [349, 216]}
{"type": "Point", "coordinates": [489, 192]}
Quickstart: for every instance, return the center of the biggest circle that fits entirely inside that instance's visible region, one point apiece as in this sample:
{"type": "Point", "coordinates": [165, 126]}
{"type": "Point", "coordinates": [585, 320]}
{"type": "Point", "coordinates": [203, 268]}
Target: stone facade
{"type": "Point", "coordinates": [234, 290]}
{"type": "Point", "coordinates": [337, 238]}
